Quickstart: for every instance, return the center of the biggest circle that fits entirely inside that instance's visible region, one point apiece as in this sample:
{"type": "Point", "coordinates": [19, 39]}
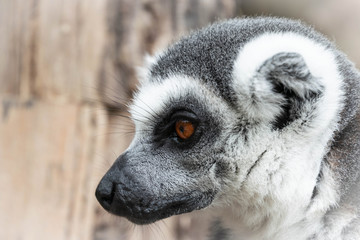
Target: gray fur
{"type": "Point", "coordinates": [275, 151]}
{"type": "Point", "coordinates": [345, 150]}
{"type": "Point", "coordinates": [208, 54]}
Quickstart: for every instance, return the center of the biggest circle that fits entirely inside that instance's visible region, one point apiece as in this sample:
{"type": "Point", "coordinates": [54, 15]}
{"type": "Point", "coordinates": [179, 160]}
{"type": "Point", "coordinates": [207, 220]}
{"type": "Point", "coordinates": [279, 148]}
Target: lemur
{"type": "Point", "coordinates": [256, 120]}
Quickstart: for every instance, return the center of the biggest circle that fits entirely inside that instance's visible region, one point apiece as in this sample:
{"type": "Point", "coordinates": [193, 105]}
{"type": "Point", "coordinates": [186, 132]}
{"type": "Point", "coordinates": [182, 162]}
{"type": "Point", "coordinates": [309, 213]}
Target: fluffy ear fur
{"type": "Point", "coordinates": [143, 72]}
{"type": "Point", "coordinates": [289, 73]}
{"type": "Point", "coordinates": [278, 88]}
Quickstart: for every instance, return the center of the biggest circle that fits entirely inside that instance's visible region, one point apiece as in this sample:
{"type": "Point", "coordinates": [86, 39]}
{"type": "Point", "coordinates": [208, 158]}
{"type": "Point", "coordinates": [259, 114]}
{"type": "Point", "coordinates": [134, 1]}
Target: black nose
{"type": "Point", "coordinates": [105, 193]}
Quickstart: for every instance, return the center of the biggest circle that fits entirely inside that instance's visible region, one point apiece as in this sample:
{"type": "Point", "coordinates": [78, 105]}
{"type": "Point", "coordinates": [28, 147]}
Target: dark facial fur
{"type": "Point", "coordinates": [160, 176]}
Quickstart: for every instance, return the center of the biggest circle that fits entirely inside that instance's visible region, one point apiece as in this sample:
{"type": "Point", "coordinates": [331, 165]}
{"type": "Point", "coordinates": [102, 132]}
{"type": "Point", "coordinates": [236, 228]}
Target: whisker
{"type": "Point", "coordinates": [151, 112]}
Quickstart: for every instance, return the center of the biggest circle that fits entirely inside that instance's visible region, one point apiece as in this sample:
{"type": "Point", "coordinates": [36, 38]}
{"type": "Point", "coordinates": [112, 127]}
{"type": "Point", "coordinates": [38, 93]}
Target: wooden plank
{"type": "Point", "coordinates": [64, 65]}
{"type": "Point", "coordinates": [47, 156]}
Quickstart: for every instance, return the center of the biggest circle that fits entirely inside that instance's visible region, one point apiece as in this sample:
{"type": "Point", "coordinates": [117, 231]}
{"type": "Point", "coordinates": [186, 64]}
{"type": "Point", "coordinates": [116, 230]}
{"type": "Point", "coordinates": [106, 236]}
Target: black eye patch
{"type": "Point", "coordinates": [179, 126]}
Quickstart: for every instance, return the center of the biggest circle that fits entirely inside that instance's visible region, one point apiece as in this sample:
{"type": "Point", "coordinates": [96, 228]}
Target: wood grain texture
{"type": "Point", "coordinates": [47, 156]}
{"type": "Point", "coordinates": [67, 69]}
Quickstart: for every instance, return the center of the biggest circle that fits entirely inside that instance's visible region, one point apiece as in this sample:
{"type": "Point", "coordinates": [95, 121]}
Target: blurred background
{"type": "Point", "coordinates": [67, 70]}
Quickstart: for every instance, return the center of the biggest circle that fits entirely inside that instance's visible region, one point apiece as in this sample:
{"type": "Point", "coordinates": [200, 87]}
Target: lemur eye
{"type": "Point", "coordinates": [184, 129]}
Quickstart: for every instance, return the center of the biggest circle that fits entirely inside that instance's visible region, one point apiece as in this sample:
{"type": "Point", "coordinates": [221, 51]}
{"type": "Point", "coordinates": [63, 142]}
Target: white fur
{"type": "Point", "coordinates": [273, 199]}
{"type": "Point", "coordinates": [152, 97]}
{"type": "Point", "coordinates": [276, 194]}
{"type": "Point", "coordinates": [320, 61]}
{"type": "Point", "coordinates": [142, 72]}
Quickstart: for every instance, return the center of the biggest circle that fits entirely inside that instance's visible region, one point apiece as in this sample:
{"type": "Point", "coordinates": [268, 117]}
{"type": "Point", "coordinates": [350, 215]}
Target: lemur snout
{"type": "Point", "coordinates": [113, 191]}
{"type": "Point", "coordinates": [128, 191]}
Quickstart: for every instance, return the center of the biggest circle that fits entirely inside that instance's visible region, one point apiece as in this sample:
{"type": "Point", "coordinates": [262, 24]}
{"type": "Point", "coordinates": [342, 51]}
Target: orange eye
{"type": "Point", "coordinates": [184, 129]}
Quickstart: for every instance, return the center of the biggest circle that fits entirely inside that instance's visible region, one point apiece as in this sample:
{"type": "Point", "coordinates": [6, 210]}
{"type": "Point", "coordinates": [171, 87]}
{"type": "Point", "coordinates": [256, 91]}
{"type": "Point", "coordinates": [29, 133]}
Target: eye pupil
{"type": "Point", "coordinates": [184, 129]}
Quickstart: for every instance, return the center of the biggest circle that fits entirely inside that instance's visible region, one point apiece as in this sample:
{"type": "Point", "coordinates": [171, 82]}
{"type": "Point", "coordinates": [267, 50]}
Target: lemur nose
{"type": "Point", "coordinates": [109, 184]}
{"type": "Point", "coordinates": [105, 193]}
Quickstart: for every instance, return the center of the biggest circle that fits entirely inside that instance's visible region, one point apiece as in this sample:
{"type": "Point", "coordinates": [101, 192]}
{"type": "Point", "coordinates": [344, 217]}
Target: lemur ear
{"type": "Point", "coordinates": [290, 75]}
{"type": "Point", "coordinates": [277, 89]}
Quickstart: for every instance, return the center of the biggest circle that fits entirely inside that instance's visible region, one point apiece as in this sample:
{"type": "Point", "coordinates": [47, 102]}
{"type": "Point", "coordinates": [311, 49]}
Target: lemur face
{"type": "Point", "coordinates": [222, 120]}
{"type": "Point", "coordinates": [170, 167]}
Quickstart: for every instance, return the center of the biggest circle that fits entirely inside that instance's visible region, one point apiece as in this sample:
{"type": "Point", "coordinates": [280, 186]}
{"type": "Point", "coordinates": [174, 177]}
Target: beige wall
{"type": "Point", "coordinates": [66, 71]}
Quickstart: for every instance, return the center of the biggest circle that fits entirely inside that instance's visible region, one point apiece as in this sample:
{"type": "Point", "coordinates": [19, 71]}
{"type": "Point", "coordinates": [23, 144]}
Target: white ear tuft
{"type": "Point", "coordinates": [143, 72]}
{"type": "Point", "coordinates": [274, 75]}
{"type": "Point", "coordinates": [278, 89]}
{"type": "Point", "coordinates": [257, 99]}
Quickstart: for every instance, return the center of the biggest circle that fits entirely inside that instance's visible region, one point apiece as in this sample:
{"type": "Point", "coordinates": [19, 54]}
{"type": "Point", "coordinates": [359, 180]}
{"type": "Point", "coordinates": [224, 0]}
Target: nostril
{"type": "Point", "coordinates": [105, 194]}
{"type": "Point", "coordinates": [107, 199]}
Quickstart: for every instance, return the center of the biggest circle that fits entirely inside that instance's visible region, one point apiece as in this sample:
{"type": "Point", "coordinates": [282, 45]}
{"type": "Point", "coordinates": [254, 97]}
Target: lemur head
{"type": "Point", "coordinates": [239, 113]}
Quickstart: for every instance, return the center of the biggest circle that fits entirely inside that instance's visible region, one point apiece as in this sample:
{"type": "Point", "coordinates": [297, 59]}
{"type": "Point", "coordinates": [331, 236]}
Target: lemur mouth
{"type": "Point", "coordinates": [142, 208]}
